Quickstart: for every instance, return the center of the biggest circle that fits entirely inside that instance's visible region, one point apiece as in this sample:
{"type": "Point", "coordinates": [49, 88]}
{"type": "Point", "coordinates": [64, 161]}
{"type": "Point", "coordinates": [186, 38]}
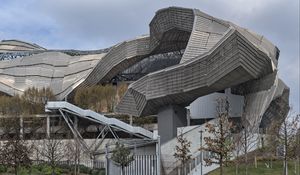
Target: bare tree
{"type": "Point", "coordinates": [249, 136]}
{"type": "Point", "coordinates": [296, 150]}
{"type": "Point", "coordinates": [286, 136]}
{"type": "Point", "coordinates": [219, 142]}
{"type": "Point", "coordinates": [14, 152]}
{"type": "Point", "coordinates": [97, 98]}
{"type": "Point", "coordinates": [237, 140]}
{"type": "Point", "coordinates": [34, 100]}
{"type": "Point", "coordinates": [182, 153]}
{"type": "Point", "coordinates": [53, 150]}
{"type": "Point", "coordinates": [73, 153]}
{"type": "Point", "coordinates": [121, 90]}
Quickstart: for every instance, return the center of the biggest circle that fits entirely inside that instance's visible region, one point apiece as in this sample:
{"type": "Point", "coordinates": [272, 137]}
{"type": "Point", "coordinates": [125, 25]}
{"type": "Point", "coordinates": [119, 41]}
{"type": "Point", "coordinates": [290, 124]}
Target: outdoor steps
{"type": "Point", "coordinates": [192, 133]}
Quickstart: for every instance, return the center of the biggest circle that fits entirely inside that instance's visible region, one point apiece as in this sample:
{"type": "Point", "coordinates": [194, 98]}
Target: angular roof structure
{"type": "Point", "coordinates": [218, 55]}
{"type": "Point", "coordinates": [17, 45]}
{"type": "Point", "coordinates": [215, 55]}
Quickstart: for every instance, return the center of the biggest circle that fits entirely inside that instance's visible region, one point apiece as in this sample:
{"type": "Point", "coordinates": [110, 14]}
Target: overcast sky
{"type": "Point", "coordinates": [95, 24]}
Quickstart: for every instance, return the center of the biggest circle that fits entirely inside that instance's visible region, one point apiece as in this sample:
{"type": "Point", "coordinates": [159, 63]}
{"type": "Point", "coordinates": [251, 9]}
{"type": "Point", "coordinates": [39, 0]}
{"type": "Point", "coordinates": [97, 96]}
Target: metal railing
{"type": "Point", "coordinates": [141, 165]}
{"type": "Point", "coordinates": [190, 166]}
{"type": "Point", "coordinates": [87, 163]}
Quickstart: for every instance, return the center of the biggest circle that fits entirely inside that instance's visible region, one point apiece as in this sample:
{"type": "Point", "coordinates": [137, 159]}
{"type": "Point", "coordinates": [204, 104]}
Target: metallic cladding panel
{"type": "Point", "coordinates": [16, 45]}
{"type": "Point", "coordinates": [217, 55]}
{"type": "Point", "coordinates": [40, 70]}
{"type": "Point", "coordinates": [277, 110]}
{"type": "Point", "coordinates": [205, 34]}
{"type": "Point", "coordinates": [168, 19]}
{"type": "Point", "coordinates": [230, 55]}
{"type": "Point", "coordinates": [223, 67]}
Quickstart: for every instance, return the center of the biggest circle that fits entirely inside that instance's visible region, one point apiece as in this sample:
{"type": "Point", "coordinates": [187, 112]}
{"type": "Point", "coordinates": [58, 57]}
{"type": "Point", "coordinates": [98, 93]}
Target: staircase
{"type": "Point", "coordinates": [192, 133]}
{"type": "Point", "coordinates": [172, 167]}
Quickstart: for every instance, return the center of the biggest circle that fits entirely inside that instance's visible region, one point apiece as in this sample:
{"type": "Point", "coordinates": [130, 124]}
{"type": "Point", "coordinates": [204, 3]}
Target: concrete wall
{"type": "Point", "coordinates": [169, 119]}
{"type": "Point", "coordinates": [205, 107]}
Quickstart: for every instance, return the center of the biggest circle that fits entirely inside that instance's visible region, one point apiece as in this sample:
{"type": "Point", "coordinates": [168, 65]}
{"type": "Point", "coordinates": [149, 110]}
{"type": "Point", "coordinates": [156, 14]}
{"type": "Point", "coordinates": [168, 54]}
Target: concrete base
{"type": "Point", "coordinates": [169, 119]}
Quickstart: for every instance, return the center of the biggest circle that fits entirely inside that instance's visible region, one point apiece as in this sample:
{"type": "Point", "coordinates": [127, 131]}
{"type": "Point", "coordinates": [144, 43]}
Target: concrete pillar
{"type": "Point", "coordinates": [188, 117]}
{"type": "Point", "coordinates": [169, 119]}
{"type": "Point", "coordinates": [228, 91]}
{"type": "Point", "coordinates": [106, 159]}
{"type": "Point", "coordinates": [48, 126]}
{"type": "Point", "coordinates": [21, 128]}
{"type": "Point", "coordinates": [158, 155]}
{"type": "Point", "coordinates": [131, 120]}
{"type": "Point", "coordinates": [76, 128]}
{"type": "Point", "coordinates": [76, 123]}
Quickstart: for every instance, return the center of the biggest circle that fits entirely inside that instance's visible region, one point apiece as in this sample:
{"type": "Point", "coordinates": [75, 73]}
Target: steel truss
{"type": "Point", "coordinates": [71, 115]}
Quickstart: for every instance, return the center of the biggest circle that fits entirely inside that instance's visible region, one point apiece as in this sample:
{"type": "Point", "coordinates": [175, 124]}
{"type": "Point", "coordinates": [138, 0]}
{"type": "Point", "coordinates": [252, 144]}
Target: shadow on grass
{"type": "Point", "coordinates": [263, 168]}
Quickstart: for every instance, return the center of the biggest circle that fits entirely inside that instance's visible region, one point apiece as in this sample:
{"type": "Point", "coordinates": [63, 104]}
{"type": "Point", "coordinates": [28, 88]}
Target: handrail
{"type": "Point", "coordinates": [99, 118]}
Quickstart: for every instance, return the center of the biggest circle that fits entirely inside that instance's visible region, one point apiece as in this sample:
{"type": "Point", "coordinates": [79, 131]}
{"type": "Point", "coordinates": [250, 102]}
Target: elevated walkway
{"type": "Point", "coordinates": [98, 118]}
{"type": "Point", "coordinates": [116, 129]}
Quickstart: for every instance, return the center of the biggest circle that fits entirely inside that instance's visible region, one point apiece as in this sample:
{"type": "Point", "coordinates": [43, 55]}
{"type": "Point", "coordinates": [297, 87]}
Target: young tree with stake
{"type": "Point", "coordinates": [219, 142]}
{"type": "Point", "coordinates": [122, 156]}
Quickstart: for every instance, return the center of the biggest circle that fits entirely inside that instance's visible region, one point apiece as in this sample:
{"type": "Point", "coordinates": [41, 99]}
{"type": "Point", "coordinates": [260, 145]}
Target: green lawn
{"type": "Point", "coordinates": [261, 169]}
{"type": "Point", "coordinates": [44, 169]}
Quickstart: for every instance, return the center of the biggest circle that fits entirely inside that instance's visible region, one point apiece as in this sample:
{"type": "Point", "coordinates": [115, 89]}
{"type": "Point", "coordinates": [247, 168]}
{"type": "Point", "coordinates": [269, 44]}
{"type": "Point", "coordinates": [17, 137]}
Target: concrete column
{"type": "Point", "coordinates": [228, 91]}
{"type": "Point", "coordinates": [48, 126]}
{"type": "Point", "coordinates": [76, 127]}
{"type": "Point", "coordinates": [131, 120]}
{"type": "Point", "coordinates": [75, 123]}
{"type": "Point", "coordinates": [106, 159]}
{"type": "Point", "coordinates": [21, 128]}
{"type": "Point", "coordinates": [158, 154]}
{"type": "Point", "coordinates": [169, 119]}
{"type": "Point", "coordinates": [188, 117]}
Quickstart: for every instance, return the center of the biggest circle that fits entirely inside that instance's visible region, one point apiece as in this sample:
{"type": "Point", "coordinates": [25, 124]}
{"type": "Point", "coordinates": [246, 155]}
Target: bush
{"type": "Point", "coordinates": [139, 121]}
{"type": "Point", "coordinates": [84, 169]}
{"type": "Point", "coordinates": [98, 172]}
{"type": "Point", "coordinates": [262, 158]}
{"type": "Point", "coordinates": [65, 168]}
{"type": "Point", "coordinates": [47, 170]}
{"type": "Point", "coordinates": [36, 169]}
{"type": "Point", "coordinates": [3, 169]}
{"type": "Point", "coordinates": [23, 171]}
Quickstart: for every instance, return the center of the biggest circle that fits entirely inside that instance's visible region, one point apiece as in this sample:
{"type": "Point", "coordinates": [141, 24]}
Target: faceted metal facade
{"type": "Point", "coordinates": [18, 46]}
{"type": "Point", "coordinates": [217, 54]}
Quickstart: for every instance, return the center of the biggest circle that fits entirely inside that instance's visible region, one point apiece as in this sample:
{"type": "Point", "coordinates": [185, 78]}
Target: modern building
{"type": "Point", "coordinates": [187, 61]}
{"type": "Point", "coordinates": [176, 72]}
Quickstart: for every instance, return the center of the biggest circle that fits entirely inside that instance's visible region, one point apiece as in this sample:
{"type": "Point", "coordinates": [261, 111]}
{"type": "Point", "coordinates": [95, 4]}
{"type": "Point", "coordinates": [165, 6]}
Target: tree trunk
{"type": "Point", "coordinates": [16, 170]}
{"type": "Point", "coordinates": [75, 168]}
{"type": "Point", "coordinates": [246, 164]}
{"type": "Point", "coordinates": [298, 165]}
{"type": "Point", "coordinates": [237, 168]}
{"type": "Point", "coordinates": [295, 164]}
{"type": "Point", "coordinates": [246, 151]}
{"type": "Point", "coordinates": [285, 168]}
{"type": "Point", "coordinates": [237, 161]}
{"type": "Point", "coordinates": [271, 162]}
{"type": "Point", "coordinates": [286, 147]}
{"type": "Point", "coordinates": [221, 167]}
{"type": "Point", "coordinates": [78, 162]}
{"type": "Point", "coordinates": [53, 169]}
